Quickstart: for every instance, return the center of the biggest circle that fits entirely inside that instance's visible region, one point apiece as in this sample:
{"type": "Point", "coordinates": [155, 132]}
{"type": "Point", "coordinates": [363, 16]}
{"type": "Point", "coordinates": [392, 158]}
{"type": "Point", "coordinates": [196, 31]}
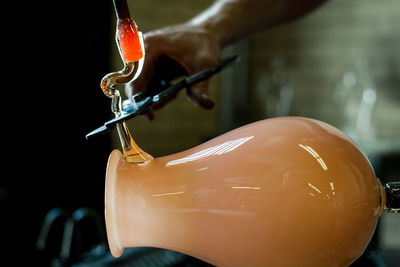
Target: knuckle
{"type": "Point", "coordinates": [206, 59]}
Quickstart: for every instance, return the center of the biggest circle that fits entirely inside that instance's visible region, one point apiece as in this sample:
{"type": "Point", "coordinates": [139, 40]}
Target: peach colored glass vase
{"type": "Point", "coordinates": [279, 192]}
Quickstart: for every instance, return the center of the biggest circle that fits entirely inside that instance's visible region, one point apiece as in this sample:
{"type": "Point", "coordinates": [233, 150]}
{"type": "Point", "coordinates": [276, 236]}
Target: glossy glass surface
{"type": "Point", "coordinates": [279, 192]}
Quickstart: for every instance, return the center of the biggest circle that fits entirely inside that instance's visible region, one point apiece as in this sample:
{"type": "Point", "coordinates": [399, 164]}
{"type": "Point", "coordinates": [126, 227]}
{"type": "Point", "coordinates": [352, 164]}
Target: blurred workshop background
{"type": "Point", "coordinates": [340, 64]}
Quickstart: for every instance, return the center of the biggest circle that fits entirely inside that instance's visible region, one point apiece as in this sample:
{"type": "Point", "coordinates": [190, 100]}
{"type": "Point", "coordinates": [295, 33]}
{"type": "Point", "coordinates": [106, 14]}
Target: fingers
{"type": "Point", "coordinates": [140, 84]}
{"type": "Point", "coordinates": [150, 114]}
{"type": "Point", "coordinates": [171, 53]}
{"type": "Point", "coordinates": [198, 95]}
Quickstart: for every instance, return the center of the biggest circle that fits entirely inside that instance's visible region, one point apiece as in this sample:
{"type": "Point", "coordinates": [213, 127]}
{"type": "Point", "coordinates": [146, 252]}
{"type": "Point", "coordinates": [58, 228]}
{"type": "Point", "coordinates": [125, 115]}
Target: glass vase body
{"type": "Point", "coordinates": [279, 192]}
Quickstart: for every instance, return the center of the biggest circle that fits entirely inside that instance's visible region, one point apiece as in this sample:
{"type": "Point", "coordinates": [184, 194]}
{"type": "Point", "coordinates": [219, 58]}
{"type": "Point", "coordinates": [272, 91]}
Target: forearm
{"type": "Point", "coordinates": [193, 46]}
{"type": "Point", "coordinates": [230, 20]}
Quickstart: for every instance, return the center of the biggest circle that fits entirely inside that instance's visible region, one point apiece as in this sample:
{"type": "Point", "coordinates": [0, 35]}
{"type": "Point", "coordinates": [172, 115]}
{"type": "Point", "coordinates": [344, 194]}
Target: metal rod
{"type": "Point", "coordinates": [121, 9]}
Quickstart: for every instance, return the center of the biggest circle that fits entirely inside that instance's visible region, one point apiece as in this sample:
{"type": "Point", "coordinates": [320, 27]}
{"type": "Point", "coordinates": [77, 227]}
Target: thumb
{"type": "Point", "coordinates": [198, 95]}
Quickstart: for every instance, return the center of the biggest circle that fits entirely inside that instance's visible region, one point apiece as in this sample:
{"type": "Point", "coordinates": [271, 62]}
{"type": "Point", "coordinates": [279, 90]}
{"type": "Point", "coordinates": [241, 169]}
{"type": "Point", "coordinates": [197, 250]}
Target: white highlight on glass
{"type": "Point", "coordinates": [315, 155]}
{"type": "Point", "coordinates": [313, 187]}
{"type": "Point", "coordinates": [214, 150]}
{"type": "Point", "coordinates": [167, 194]}
{"type": "Point", "coordinates": [246, 187]}
{"type": "Point", "coordinates": [333, 188]}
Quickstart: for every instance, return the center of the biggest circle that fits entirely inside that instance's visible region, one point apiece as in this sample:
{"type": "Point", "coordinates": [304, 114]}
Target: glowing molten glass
{"type": "Point", "coordinates": [129, 40]}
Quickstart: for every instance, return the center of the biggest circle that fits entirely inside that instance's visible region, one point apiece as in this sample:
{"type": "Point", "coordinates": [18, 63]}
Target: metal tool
{"type": "Point", "coordinates": [143, 103]}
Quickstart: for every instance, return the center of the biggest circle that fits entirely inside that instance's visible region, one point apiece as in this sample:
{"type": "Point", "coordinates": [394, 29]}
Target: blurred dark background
{"type": "Point", "coordinates": [52, 58]}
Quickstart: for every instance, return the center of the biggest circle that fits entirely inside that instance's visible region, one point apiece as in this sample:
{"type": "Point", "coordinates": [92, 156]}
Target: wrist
{"type": "Point", "coordinates": [204, 29]}
{"type": "Point", "coordinates": [212, 26]}
{"type": "Point", "coordinates": [212, 30]}
{"type": "Point", "coordinates": [223, 21]}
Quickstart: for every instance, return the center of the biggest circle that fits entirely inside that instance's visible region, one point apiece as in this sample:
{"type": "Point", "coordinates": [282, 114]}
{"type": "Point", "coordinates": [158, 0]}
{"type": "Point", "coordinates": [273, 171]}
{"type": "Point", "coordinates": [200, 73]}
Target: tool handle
{"type": "Point", "coordinates": [195, 78]}
{"type": "Point", "coordinates": [144, 103]}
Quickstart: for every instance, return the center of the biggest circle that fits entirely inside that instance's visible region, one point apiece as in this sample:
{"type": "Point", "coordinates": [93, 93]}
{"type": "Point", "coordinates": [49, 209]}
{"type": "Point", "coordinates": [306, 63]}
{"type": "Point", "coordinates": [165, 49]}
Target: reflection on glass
{"type": "Point", "coordinates": [167, 194]}
{"type": "Point", "coordinates": [332, 187]}
{"type": "Point", "coordinates": [315, 155]}
{"type": "Point", "coordinates": [246, 187]}
{"type": "Point", "coordinates": [313, 187]}
{"type": "Point", "coordinates": [214, 150]}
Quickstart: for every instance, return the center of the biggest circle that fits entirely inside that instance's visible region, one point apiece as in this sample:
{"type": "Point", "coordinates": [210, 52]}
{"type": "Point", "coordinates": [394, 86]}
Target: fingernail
{"type": "Point", "coordinates": [206, 101]}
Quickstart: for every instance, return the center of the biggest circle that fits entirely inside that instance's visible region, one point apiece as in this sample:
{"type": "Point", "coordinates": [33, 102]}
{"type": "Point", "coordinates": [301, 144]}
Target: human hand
{"type": "Point", "coordinates": [172, 52]}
